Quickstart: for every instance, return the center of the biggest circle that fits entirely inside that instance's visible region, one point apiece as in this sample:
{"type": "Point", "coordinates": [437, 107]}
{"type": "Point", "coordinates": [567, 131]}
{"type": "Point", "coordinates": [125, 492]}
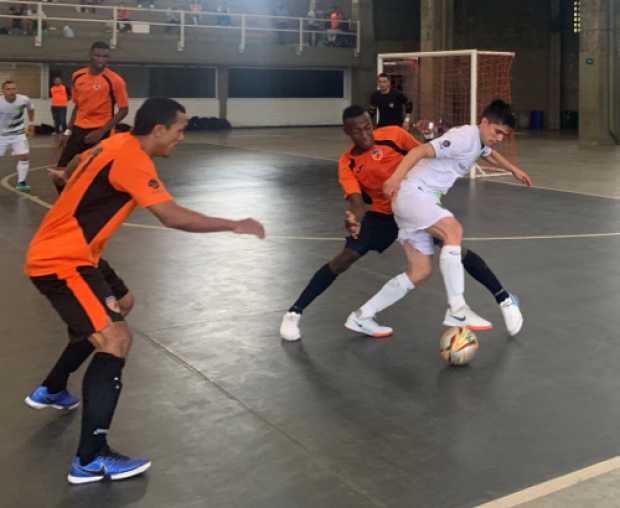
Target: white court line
{"type": "Point", "coordinates": [35, 199]}
{"type": "Point", "coordinates": [555, 485]}
{"type": "Point", "coordinates": [329, 159]}
{"type": "Point", "coordinates": [514, 184]}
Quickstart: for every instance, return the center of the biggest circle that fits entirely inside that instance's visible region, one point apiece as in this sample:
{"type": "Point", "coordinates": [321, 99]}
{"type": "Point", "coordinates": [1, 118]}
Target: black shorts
{"type": "Point", "coordinates": [378, 232]}
{"type": "Point", "coordinates": [76, 145]}
{"type": "Point", "coordinates": [87, 299]}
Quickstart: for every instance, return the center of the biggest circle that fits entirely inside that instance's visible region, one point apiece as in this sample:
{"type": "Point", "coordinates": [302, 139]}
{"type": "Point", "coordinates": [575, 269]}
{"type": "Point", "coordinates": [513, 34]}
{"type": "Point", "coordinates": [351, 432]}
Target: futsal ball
{"type": "Point", "coordinates": [458, 346]}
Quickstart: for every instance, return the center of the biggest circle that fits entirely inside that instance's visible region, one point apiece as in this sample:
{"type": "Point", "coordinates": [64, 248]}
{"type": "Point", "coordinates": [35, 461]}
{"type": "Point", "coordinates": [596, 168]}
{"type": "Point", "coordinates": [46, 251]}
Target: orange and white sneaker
{"type": "Point", "coordinates": [466, 318]}
{"type": "Point", "coordinates": [367, 325]}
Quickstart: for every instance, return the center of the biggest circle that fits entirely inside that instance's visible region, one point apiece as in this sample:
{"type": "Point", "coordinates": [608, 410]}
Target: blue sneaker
{"type": "Point", "coordinates": [108, 464]}
{"type": "Point", "coordinates": [41, 398]}
{"type": "Point", "coordinates": [22, 186]}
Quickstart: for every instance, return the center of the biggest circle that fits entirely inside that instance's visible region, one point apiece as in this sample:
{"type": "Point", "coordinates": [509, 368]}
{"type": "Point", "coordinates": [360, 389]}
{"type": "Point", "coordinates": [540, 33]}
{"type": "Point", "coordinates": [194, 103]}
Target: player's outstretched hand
{"type": "Point", "coordinates": [351, 224]}
{"type": "Point", "coordinates": [30, 131]}
{"type": "Point", "coordinates": [93, 137]}
{"type": "Point", "coordinates": [57, 175]}
{"type": "Point", "coordinates": [249, 227]}
{"type": "Point", "coordinates": [62, 141]}
{"type": "Point", "coordinates": [522, 177]}
{"type": "Point", "coordinates": [390, 187]}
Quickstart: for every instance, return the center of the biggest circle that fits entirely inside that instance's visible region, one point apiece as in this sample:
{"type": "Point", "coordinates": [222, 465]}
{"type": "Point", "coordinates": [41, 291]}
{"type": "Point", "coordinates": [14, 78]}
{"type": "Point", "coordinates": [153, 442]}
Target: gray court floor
{"type": "Point", "coordinates": [233, 417]}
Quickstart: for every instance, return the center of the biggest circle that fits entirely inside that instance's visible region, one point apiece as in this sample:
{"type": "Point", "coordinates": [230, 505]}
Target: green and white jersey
{"type": "Point", "coordinates": [13, 115]}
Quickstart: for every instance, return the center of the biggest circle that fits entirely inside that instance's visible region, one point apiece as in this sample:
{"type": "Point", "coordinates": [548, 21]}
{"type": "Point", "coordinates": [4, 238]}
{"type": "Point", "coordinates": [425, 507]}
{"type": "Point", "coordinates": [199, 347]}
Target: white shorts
{"type": "Point", "coordinates": [17, 142]}
{"type": "Point", "coordinates": [416, 209]}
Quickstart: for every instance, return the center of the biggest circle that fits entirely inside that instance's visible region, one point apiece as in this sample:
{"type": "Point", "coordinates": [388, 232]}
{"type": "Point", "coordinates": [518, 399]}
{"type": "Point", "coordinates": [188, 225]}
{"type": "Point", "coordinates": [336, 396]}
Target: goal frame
{"type": "Point", "coordinates": [476, 170]}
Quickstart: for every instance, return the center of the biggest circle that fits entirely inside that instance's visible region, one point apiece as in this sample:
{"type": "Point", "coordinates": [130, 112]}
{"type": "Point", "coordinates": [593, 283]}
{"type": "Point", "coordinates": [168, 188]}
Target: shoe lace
{"type": "Point", "coordinates": [114, 455]}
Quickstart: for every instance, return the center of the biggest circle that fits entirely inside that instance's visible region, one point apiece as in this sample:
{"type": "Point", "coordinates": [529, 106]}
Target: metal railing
{"type": "Point", "coordinates": [312, 29]}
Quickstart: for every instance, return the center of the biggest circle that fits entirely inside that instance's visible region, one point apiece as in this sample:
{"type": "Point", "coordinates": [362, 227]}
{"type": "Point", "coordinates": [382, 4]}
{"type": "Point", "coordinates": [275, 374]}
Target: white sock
{"type": "Point", "coordinates": [22, 170]}
{"type": "Point", "coordinates": [390, 293]}
{"type": "Point", "coordinates": [451, 267]}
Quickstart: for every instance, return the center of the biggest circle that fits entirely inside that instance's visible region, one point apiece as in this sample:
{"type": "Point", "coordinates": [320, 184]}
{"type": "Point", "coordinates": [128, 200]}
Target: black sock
{"type": "Point", "coordinates": [478, 269]}
{"type": "Point", "coordinates": [100, 390]}
{"type": "Point", "coordinates": [320, 281]}
{"type": "Point", "coordinates": [70, 360]}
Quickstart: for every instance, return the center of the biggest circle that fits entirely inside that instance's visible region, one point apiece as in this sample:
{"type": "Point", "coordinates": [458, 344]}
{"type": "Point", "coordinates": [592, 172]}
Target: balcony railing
{"type": "Point", "coordinates": [120, 19]}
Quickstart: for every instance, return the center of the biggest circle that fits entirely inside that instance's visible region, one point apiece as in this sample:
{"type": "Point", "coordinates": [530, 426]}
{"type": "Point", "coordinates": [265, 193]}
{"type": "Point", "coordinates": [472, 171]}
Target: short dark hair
{"type": "Point", "coordinates": [352, 111]}
{"type": "Point", "coordinates": [156, 111]}
{"type": "Point", "coordinates": [500, 112]}
{"type": "Point", "coordinates": [99, 45]}
{"type": "Point", "coordinates": [8, 82]}
{"type": "Point", "coordinates": [384, 75]}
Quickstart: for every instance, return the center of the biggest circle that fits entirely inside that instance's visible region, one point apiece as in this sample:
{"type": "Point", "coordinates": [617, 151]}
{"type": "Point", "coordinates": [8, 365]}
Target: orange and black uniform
{"type": "Point", "coordinates": [96, 97]}
{"type": "Point", "coordinates": [64, 257]}
{"type": "Point", "coordinates": [60, 99]}
{"type": "Point", "coordinates": [365, 174]}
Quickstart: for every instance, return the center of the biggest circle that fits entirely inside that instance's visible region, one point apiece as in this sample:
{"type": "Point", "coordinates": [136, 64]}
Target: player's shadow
{"type": "Point", "coordinates": [106, 493]}
{"type": "Point", "coordinates": [52, 430]}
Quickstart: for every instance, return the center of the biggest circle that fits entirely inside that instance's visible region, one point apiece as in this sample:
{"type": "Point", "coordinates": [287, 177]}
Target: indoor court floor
{"type": "Point", "coordinates": [234, 417]}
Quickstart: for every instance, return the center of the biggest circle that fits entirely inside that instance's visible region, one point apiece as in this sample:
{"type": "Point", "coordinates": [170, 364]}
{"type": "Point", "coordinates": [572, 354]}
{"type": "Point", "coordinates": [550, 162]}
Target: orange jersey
{"type": "Point", "coordinates": [60, 98]}
{"type": "Point", "coordinates": [111, 180]}
{"type": "Point", "coordinates": [368, 171]}
{"type": "Point", "coordinates": [97, 96]}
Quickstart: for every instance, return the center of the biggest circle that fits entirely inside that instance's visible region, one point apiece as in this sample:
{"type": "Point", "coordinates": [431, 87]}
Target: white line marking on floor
{"type": "Point", "coordinates": [555, 485]}
{"type": "Point", "coordinates": [35, 199]}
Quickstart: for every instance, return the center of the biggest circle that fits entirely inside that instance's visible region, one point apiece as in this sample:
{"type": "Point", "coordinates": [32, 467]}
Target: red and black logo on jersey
{"type": "Point", "coordinates": [376, 154]}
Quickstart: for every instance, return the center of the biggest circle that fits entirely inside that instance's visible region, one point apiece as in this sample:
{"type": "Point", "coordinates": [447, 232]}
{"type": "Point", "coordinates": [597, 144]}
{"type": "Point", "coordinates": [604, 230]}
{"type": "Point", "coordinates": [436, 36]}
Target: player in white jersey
{"type": "Point", "coordinates": [423, 176]}
{"type": "Point", "coordinates": [13, 129]}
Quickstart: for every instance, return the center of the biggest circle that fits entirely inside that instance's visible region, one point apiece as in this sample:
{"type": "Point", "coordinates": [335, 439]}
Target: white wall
{"type": "Point", "coordinates": [194, 107]}
{"type": "Point", "coordinates": [285, 112]}
{"type": "Point", "coordinates": [241, 112]}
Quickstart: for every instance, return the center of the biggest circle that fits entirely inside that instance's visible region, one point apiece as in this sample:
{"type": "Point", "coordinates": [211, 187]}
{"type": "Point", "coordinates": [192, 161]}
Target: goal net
{"type": "Point", "coordinates": [451, 88]}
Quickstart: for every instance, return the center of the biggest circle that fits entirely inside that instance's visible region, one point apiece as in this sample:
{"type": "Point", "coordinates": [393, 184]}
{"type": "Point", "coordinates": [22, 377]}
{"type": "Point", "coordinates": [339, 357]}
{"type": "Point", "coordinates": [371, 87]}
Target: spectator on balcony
{"type": "Point", "coordinates": [172, 18]}
{"type": "Point", "coordinates": [223, 13]}
{"type": "Point", "coordinates": [312, 25]}
{"type": "Point", "coordinates": [122, 14]}
{"type": "Point", "coordinates": [281, 9]}
{"type": "Point", "coordinates": [335, 21]}
{"type": "Point", "coordinates": [195, 8]}
{"type": "Point", "coordinates": [15, 24]}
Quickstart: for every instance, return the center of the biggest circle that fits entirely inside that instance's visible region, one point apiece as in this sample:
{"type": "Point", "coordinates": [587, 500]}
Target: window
{"type": "Point", "coordinates": [182, 82]}
{"type": "Point", "coordinates": [150, 81]}
{"type": "Point", "coordinates": [576, 16]}
{"type": "Point", "coordinates": [285, 83]}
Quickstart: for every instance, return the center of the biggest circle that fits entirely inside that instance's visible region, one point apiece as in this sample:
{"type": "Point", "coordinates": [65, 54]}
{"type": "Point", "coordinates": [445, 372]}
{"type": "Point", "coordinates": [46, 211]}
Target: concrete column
{"type": "Point", "coordinates": [222, 90]}
{"type": "Point", "coordinates": [615, 71]}
{"type": "Point", "coordinates": [436, 24]}
{"type": "Point", "coordinates": [594, 73]}
{"type": "Point", "coordinates": [555, 68]}
{"type": "Point", "coordinates": [436, 33]}
{"type": "Point", "coordinates": [364, 76]}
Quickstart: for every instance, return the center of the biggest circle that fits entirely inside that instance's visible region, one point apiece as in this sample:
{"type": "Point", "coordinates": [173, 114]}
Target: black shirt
{"type": "Point", "coordinates": [390, 107]}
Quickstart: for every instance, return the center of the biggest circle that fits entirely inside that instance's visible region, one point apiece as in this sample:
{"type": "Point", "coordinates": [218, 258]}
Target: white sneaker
{"type": "Point", "coordinates": [289, 329]}
{"type": "Point", "coordinates": [467, 318]}
{"type": "Point", "coordinates": [512, 315]}
{"type": "Point", "coordinates": [368, 326]}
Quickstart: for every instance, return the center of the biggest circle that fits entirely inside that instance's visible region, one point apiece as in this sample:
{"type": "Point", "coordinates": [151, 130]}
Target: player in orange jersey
{"type": "Point", "coordinates": [101, 103]}
{"type": "Point", "coordinates": [363, 170]}
{"type": "Point", "coordinates": [64, 263]}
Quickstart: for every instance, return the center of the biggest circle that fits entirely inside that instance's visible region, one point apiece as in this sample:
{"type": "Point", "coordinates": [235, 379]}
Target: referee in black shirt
{"type": "Point", "coordinates": [393, 106]}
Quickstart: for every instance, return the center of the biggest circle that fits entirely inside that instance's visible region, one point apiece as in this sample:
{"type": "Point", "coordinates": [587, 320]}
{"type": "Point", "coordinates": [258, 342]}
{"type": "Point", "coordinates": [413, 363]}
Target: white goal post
{"type": "Point", "coordinates": [474, 59]}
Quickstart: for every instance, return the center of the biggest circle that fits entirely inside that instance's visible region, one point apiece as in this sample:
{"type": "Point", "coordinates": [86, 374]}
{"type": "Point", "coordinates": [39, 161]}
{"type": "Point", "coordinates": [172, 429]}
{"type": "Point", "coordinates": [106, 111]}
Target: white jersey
{"type": "Point", "coordinates": [455, 153]}
{"type": "Point", "coordinates": [13, 115]}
